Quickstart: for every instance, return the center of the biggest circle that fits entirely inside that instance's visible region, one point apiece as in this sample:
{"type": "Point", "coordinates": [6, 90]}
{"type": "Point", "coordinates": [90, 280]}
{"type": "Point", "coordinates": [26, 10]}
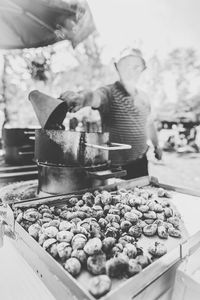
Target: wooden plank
{"type": "Point", "coordinates": [191, 245]}
{"type": "Point", "coordinates": [64, 286]}
{"type": "Point", "coordinates": [161, 288]}
{"type": "Point", "coordinates": [128, 184]}
{"type": "Point", "coordinates": [17, 279]}
{"type": "Point", "coordinates": [133, 286]}
{"type": "Point", "coordinates": [61, 284]}
{"type": "Point", "coordinates": [180, 189]}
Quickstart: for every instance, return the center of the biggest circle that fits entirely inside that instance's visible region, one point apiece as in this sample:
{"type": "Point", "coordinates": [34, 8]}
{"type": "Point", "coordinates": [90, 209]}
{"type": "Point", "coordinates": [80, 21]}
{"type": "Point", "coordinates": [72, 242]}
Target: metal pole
{"type": "Point", "coordinates": [4, 89]}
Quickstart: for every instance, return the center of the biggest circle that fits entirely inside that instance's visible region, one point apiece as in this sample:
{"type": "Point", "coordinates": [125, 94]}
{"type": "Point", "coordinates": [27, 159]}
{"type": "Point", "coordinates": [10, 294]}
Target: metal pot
{"type": "Point", "coordinates": [64, 179]}
{"type": "Point", "coordinates": [18, 145]}
{"type": "Point", "coordinates": [71, 148]}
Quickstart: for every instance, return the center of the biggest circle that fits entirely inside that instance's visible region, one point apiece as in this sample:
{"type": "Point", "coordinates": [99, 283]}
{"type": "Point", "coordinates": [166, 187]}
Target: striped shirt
{"type": "Point", "coordinates": [125, 121]}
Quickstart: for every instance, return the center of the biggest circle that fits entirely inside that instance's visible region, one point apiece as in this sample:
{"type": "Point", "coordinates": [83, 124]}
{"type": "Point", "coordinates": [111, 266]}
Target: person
{"type": "Point", "coordinates": [125, 112]}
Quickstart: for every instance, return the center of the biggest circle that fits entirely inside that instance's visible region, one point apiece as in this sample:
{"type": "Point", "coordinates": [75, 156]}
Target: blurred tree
{"type": "Point", "coordinates": [183, 62]}
{"type": "Point", "coordinates": [52, 70]}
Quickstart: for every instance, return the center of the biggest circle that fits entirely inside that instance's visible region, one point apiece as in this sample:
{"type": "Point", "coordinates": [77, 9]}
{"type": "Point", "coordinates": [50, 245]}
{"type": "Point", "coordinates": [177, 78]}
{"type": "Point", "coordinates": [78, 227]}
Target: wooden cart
{"type": "Point", "coordinates": [153, 282]}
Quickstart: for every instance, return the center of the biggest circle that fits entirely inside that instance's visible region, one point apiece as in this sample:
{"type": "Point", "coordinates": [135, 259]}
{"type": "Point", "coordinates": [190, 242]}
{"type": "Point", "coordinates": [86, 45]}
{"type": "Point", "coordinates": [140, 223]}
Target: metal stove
{"type": "Point", "coordinates": [69, 161]}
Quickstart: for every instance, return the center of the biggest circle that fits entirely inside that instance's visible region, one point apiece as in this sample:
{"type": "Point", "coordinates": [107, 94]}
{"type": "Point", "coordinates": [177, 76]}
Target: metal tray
{"type": "Point", "coordinates": [151, 283]}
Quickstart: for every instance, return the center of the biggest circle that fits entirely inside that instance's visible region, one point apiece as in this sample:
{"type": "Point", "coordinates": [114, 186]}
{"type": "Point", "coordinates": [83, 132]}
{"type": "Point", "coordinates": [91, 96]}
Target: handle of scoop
{"type": "Point", "coordinates": [112, 147]}
{"type": "Point", "coordinates": [29, 132]}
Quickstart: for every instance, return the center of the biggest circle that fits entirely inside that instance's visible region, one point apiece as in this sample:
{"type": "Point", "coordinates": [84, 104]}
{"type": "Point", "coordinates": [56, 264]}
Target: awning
{"type": "Point", "coordinates": [37, 23]}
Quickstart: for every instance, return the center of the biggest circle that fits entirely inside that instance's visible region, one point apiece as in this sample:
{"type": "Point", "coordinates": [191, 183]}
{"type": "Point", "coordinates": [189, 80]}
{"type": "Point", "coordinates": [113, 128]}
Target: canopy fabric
{"type": "Point", "coordinates": [37, 23]}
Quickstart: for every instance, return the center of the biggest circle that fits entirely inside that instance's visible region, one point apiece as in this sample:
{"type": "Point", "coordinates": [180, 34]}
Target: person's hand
{"type": "Point", "coordinates": [158, 152]}
{"type": "Point", "coordinates": [73, 100]}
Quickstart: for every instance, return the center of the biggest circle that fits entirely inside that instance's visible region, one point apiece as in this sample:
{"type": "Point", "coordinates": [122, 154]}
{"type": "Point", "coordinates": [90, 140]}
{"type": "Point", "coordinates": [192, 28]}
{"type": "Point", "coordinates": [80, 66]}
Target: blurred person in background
{"type": "Point", "coordinates": [125, 113]}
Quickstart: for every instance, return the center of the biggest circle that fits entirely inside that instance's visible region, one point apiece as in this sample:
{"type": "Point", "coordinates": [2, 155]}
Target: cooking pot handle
{"type": "Point", "coordinates": [25, 153]}
{"type": "Point", "coordinates": [112, 147]}
{"type": "Point", "coordinates": [29, 132]}
{"type": "Point", "coordinates": [104, 175]}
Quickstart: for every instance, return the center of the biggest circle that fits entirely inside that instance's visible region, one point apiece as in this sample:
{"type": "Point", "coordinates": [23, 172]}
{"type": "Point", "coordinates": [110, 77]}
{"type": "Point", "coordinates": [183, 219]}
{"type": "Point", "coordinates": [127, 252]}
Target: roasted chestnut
{"type": "Point", "coordinates": [55, 223]}
{"type": "Point", "coordinates": [133, 267]}
{"type": "Point", "coordinates": [34, 230]}
{"type": "Point", "coordinates": [88, 198]}
{"type": "Point", "coordinates": [72, 201]}
{"type": "Point", "coordinates": [97, 199]}
{"type": "Point", "coordinates": [93, 246]}
{"type": "Point", "coordinates": [162, 232]}
{"type": "Point", "coordinates": [107, 244]}
{"type": "Point", "coordinates": [137, 212]}
{"type": "Point", "coordinates": [64, 236]}
{"type": "Point", "coordinates": [106, 198]}
{"type": "Point", "coordinates": [158, 208]}
{"type": "Point", "coordinates": [31, 215]}
{"type": "Point", "coordinates": [161, 192]}
{"type": "Point", "coordinates": [174, 232]}
{"type": "Point", "coordinates": [118, 248]}
{"type": "Point", "coordinates": [78, 241]}
{"type": "Point", "coordinates": [149, 221]}
{"type": "Point", "coordinates": [126, 208]}
{"type": "Point", "coordinates": [80, 255]}
{"type": "Point", "coordinates": [112, 232]}
{"type": "Point", "coordinates": [135, 231]}
{"type": "Point", "coordinates": [131, 217]}
{"type": "Point", "coordinates": [96, 264]}
{"type": "Point", "coordinates": [80, 203]}
{"type": "Point", "coordinates": [143, 208]}
{"type": "Point", "coordinates": [157, 249]}
{"type": "Point", "coordinates": [53, 250]}
{"type": "Point", "coordinates": [141, 223]}
{"type": "Point", "coordinates": [102, 222]}
{"type": "Point", "coordinates": [143, 260]}
{"type": "Point", "coordinates": [19, 217]}
{"type": "Point", "coordinates": [48, 243]}
{"type": "Point", "coordinates": [43, 206]}
{"type": "Point", "coordinates": [99, 285]}
{"type": "Point", "coordinates": [168, 212]}
{"type": "Point", "coordinates": [117, 266]}
{"type": "Point", "coordinates": [124, 239]}
{"type": "Point", "coordinates": [64, 250]}
{"type": "Point", "coordinates": [47, 215]}
{"type": "Point", "coordinates": [73, 266]}
{"type": "Point", "coordinates": [51, 231]}
{"type": "Point", "coordinates": [161, 216]}
{"type": "Point", "coordinates": [150, 230]}
{"type": "Point", "coordinates": [130, 250]}
{"type": "Point", "coordinates": [65, 225]}
{"type": "Point", "coordinates": [42, 238]}
{"type": "Point", "coordinates": [150, 215]}
{"type": "Point", "coordinates": [125, 225]}
{"type": "Point", "coordinates": [175, 221]}
{"type": "Point", "coordinates": [112, 218]}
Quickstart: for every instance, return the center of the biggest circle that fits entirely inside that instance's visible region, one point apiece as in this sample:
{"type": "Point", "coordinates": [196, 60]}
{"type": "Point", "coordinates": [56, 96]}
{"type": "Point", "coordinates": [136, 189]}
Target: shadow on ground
{"type": "Point", "coordinates": [177, 169]}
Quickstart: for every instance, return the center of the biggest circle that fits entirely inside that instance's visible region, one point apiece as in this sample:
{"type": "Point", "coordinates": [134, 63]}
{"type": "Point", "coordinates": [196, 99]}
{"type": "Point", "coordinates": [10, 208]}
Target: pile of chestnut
{"type": "Point", "coordinates": [99, 232]}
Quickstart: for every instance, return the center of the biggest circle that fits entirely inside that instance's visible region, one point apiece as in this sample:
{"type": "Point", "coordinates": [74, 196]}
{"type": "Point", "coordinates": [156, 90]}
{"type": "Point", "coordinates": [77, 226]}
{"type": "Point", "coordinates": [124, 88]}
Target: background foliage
{"type": "Point", "coordinates": [172, 82]}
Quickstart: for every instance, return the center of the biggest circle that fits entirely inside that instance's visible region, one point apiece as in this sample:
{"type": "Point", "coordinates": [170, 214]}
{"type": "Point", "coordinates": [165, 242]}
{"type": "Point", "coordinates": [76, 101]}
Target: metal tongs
{"type": "Point", "coordinates": [7, 223]}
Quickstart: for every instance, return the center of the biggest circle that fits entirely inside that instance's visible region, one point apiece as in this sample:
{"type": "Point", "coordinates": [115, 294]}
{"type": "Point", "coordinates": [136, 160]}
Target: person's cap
{"type": "Point", "coordinates": [129, 52]}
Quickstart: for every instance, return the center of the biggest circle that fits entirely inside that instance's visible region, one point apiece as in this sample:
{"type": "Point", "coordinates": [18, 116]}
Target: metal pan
{"type": "Point", "coordinates": [73, 148]}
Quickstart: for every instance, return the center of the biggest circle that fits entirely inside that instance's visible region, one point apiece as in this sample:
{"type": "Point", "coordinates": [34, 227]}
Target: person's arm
{"type": "Point", "coordinates": [152, 134]}
{"type": "Point", "coordinates": [77, 100]}
{"type": "Point", "coordinates": [151, 130]}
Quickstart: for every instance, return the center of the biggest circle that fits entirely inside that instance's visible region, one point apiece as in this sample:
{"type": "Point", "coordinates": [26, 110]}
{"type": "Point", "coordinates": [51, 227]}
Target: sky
{"type": "Point", "coordinates": [153, 25]}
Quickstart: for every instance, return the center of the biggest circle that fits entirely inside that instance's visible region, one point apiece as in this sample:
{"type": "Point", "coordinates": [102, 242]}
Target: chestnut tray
{"type": "Point", "coordinates": [151, 283]}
